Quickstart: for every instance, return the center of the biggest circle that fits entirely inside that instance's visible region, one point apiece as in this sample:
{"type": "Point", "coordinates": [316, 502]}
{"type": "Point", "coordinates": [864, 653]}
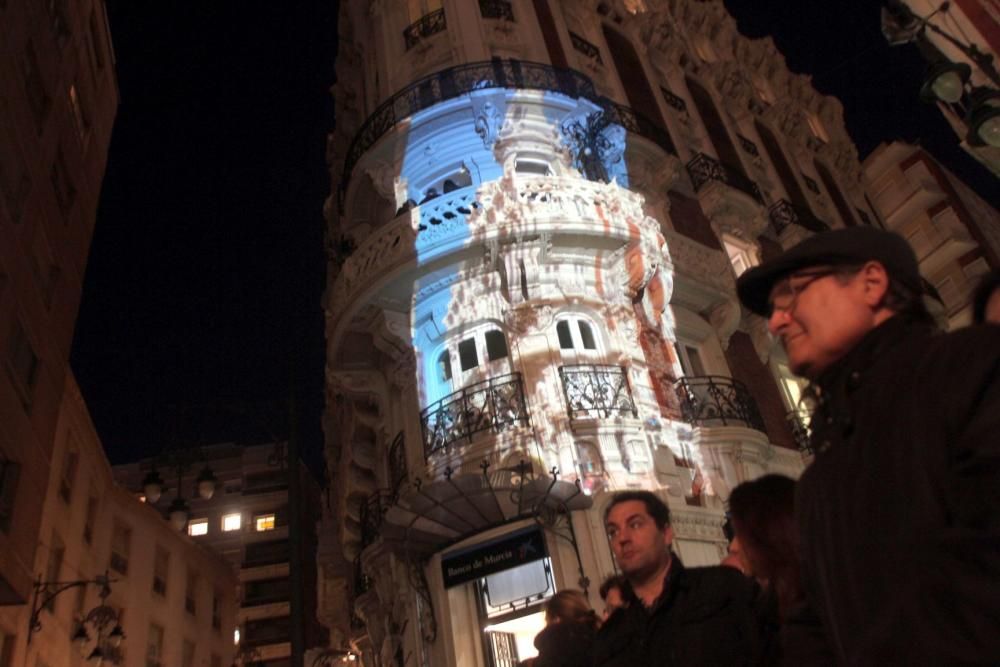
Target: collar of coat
{"type": "Point", "coordinates": [672, 582]}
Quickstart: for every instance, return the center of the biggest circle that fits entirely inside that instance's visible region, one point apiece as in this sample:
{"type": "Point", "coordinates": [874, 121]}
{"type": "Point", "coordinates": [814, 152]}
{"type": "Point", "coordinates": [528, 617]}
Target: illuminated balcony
{"type": "Point", "coordinates": [494, 405]}
{"type": "Point", "coordinates": [714, 400]}
{"type": "Point", "coordinates": [596, 391]}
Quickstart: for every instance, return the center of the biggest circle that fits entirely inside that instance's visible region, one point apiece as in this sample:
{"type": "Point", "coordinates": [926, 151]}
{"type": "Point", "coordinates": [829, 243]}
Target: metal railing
{"type": "Point", "coordinates": [596, 391]}
{"type": "Point", "coordinates": [585, 47]}
{"type": "Point", "coordinates": [397, 463]}
{"type": "Point", "coordinates": [496, 9]}
{"type": "Point", "coordinates": [748, 146]}
{"type": "Point", "coordinates": [704, 168]}
{"type": "Point", "coordinates": [784, 213]}
{"type": "Point", "coordinates": [798, 423]}
{"type": "Point", "coordinates": [494, 405]}
{"type": "Point", "coordinates": [673, 100]}
{"type": "Point", "coordinates": [714, 400]}
{"type": "Point", "coordinates": [372, 513]}
{"type": "Point", "coordinates": [424, 27]}
{"type": "Point", "coordinates": [636, 123]}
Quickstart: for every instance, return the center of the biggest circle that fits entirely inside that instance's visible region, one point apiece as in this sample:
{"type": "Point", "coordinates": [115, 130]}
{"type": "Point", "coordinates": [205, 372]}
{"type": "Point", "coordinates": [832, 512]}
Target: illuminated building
{"type": "Point", "coordinates": [173, 599]}
{"type": "Point", "coordinates": [247, 521]}
{"type": "Point", "coordinates": [955, 233]}
{"type": "Point", "coordinates": [58, 98]}
{"type": "Point", "coordinates": [538, 211]}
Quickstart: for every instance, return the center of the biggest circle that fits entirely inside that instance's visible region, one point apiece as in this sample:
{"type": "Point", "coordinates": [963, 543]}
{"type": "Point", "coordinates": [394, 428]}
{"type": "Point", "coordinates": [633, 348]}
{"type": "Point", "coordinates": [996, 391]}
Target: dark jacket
{"type": "Point", "coordinates": [705, 616]}
{"type": "Point", "coordinates": [564, 645]}
{"type": "Point", "coordinates": [899, 514]}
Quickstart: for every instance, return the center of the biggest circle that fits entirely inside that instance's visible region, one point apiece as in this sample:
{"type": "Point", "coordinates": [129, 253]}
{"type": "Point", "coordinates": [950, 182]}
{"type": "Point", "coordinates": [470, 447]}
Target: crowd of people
{"type": "Point", "coordinates": [887, 550]}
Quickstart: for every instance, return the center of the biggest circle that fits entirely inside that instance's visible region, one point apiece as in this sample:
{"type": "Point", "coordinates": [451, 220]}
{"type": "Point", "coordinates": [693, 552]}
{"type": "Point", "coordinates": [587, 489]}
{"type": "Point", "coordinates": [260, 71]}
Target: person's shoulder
{"type": "Point", "coordinates": [720, 579]}
{"type": "Point", "coordinates": [969, 347]}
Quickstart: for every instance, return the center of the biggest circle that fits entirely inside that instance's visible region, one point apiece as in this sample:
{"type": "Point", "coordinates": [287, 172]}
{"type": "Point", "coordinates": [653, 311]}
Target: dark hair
{"type": "Point", "coordinates": [571, 606]}
{"type": "Point", "coordinates": [654, 506]}
{"type": "Point", "coordinates": [989, 284]}
{"type": "Point", "coordinates": [763, 516]}
{"type": "Point", "coordinates": [614, 581]}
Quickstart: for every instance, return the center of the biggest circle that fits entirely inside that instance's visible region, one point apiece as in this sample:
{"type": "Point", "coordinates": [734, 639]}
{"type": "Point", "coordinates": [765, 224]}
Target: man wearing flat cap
{"type": "Point", "coordinates": [899, 513]}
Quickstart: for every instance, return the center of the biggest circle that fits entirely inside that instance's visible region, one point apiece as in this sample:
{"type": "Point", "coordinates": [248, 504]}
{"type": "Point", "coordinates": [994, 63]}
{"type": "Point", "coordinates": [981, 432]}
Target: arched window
{"type": "Point", "coordinates": [575, 334]}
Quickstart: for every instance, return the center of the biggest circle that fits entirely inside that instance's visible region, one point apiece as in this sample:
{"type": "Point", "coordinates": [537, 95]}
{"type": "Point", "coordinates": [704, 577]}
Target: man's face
{"type": "Point", "coordinates": [819, 316]}
{"type": "Point", "coordinates": [639, 546]}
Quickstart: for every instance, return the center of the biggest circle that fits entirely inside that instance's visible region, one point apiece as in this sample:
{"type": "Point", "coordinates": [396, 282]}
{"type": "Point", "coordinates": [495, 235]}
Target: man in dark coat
{"type": "Point", "coordinates": [899, 514]}
{"type": "Point", "coordinates": [674, 615]}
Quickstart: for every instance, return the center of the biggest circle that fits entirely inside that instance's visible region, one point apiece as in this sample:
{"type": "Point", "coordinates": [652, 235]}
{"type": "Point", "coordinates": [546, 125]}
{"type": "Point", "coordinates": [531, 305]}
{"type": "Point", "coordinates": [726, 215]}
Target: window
{"type": "Point", "coordinates": [57, 551]}
{"type": "Point", "coordinates": [575, 334]}
{"type": "Point", "coordinates": [467, 354]}
{"type": "Point", "coordinates": [70, 464]}
{"type": "Point", "coordinates": [88, 522]}
{"type": "Point", "coordinates": [190, 593]}
{"type": "Point", "coordinates": [444, 366]}
{"type": "Point", "coordinates": [81, 119]}
{"type": "Point", "coordinates": [198, 527]}
{"type": "Point", "coordinates": [496, 345]}
{"type": "Point", "coordinates": [742, 254]}
{"type": "Point", "coordinates": [690, 358]}
{"type": "Point", "coordinates": [62, 183]}
{"type": "Point", "coordinates": [121, 542]}
{"type": "Point", "coordinates": [217, 611]}
{"type": "Point", "coordinates": [231, 522]}
{"type": "Point", "coordinates": [264, 522]}
{"type": "Point", "coordinates": [23, 363]}
{"type": "Point", "coordinates": [161, 566]}
{"type": "Point", "coordinates": [154, 645]}
{"type": "Point", "coordinates": [9, 472]}
{"type": "Point", "coordinates": [532, 167]}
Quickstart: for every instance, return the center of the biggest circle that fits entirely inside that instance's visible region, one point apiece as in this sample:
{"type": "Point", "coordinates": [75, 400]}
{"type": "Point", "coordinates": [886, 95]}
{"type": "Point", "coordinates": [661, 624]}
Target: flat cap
{"type": "Point", "coordinates": [852, 245]}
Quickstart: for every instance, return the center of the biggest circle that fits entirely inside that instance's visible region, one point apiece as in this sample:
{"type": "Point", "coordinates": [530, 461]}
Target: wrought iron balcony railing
{"type": "Point", "coordinates": [714, 400]}
{"type": "Point", "coordinates": [704, 168]}
{"type": "Point", "coordinates": [596, 391]}
{"type": "Point", "coordinates": [495, 405]}
{"type": "Point", "coordinates": [424, 27]}
{"type": "Point", "coordinates": [784, 213]}
{"type": "Point", "coordinates": [673, 100]}
{"type": "Point", "coordinates": [798, 422]}
{"type": "Point", "coordinates": [496, 9]}
{"type": "Point", "coordinates": [372, 513]}
{"type": "Point", "coordinates": [397, 463]}
{"type": "Point", "coordinates": [636, 123]}
{"type": "Point", "coordinates": [585, 47]}
{"type": "Point", "coordinates": [748, 146]}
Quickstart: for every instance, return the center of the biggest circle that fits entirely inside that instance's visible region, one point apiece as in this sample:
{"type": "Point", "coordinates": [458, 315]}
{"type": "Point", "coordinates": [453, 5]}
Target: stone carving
{"type": "Point", "coordinates": [488, 112]}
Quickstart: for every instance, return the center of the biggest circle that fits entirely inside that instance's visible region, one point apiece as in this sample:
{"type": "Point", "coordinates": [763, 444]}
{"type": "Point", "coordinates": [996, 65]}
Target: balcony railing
{"type": "Point", "coordinates": [596, 391]}
{"type": "Point", "coordinates": [397, 463]}
{"type": "Point", "coordinates": [494, 405]}
{"type": "Point", "coordinates": [748, 146]}
{"type": "Point", "coordinates": [424, 27]}
{"type": "Point", "coordinates": [496, 9]}
{"type": "Point", "coordinates": [372, 513]}
{"type": "Point", "coordinates": [798, 422]}
{"type": "Point", "coordinates": [704, 168]}
{"type": "Point", "coordinates": [585, 47]}
{"type": "Point", "coordinates": [714, 400]}
{"type": "Point", "coordinates": [784, 213]}
{"type": "Point", "coordinates": [636, 123]}
{"type": "Point", "coordinates": [673, 100]}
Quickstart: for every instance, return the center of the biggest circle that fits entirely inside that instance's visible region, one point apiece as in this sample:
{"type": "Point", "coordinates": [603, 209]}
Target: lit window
{"type": "Point", "coordinates": [198, 527]}
{"type": "Point", "coordinates": [236, 636]}
{"type": "Point", "coordinates": [231, 522]}
{"type": "Point", "coordinates": [264, 522]}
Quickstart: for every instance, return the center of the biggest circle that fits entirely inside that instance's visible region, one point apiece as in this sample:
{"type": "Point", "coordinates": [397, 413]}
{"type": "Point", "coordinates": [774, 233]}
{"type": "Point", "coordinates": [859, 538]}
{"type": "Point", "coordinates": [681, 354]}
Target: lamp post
{"type": "Point", "coordinates": [178, 512]}
{"type": "Point", "coordinates": [102, 619]}
{"type": "Point", "coordinates": [948, 81]}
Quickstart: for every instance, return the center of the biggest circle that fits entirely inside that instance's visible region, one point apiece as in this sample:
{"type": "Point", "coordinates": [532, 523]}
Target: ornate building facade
{"type": "Point", "coordinates": [538, 211]}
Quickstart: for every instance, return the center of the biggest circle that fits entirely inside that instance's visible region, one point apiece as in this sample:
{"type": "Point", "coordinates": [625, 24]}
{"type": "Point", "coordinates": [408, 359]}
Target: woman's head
{"type": "Point", "coordinates": [569, 606]}
{"type": "Point", "coordinates": [763, 518]}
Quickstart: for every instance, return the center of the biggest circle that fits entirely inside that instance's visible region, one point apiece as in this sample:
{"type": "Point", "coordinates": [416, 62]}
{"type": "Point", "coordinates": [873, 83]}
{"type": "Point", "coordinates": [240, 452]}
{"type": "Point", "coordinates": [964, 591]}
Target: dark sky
{"type": "Point", "coordinates": [201, 310]}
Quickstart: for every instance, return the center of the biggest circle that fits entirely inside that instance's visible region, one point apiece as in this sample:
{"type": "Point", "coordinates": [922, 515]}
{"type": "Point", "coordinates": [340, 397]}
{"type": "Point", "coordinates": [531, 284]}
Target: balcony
{"type": "Point", "coordinates": [266, 553]}
{"type": "Point", "coordinates": [703, 169]}
{"type": "Point", "coordinates": [798, 423]}
{"type": "Point", "coordinates": [496, 9]}
{"type": "Point", "coordinates": [426, 26]}
{"type": "Point", "coordinates": [596, 391]}
{"type": "Point", "coordinates": [714, 400]}
{"type": "Point", "coordinates": [636, 123]}
{"type": "Point", "coordinates": [784, 213]}
{"type": "Point", "coordinates": [266, 631]}
{"type": "Point", "coordinates": [372, 513]}
{"type": "Point", "coordinates": [493, 405]}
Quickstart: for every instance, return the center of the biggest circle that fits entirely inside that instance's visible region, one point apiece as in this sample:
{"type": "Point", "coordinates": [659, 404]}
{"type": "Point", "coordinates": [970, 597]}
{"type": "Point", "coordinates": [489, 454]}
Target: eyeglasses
{"type": "Point", "coordinates": [785, 295]}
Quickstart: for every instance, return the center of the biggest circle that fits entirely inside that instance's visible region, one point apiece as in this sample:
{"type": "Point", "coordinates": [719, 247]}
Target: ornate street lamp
{"type": "Point", "coordinates": [180, 460]}
{"type": "Point", "coordinates": [102, 619]}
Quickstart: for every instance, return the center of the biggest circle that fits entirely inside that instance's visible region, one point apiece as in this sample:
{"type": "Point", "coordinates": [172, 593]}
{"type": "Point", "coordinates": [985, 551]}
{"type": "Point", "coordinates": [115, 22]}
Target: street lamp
{"type": "Point", "coordinates": [102, 619]}
{"type": "Point", "coordinates": [948, 81]}
{"type": "Point", "coordinates": [178, 511]}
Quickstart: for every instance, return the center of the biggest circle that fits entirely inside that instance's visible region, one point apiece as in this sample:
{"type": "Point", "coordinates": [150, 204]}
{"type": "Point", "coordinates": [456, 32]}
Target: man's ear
{"type": "Point", "coordinates": [668, 535]}
{"type": "Point", "coordinates": [875, 282]}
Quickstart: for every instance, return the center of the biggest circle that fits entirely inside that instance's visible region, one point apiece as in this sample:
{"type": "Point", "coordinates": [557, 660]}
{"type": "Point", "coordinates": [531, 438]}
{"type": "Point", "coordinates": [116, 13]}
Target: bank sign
{"type": "Point", "coordinates": [511, 550]}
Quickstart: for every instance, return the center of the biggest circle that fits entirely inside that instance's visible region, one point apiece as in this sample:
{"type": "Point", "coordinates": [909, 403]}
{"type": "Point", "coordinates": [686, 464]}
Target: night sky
{"type": "Point", "coordinates": [201, 318]}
